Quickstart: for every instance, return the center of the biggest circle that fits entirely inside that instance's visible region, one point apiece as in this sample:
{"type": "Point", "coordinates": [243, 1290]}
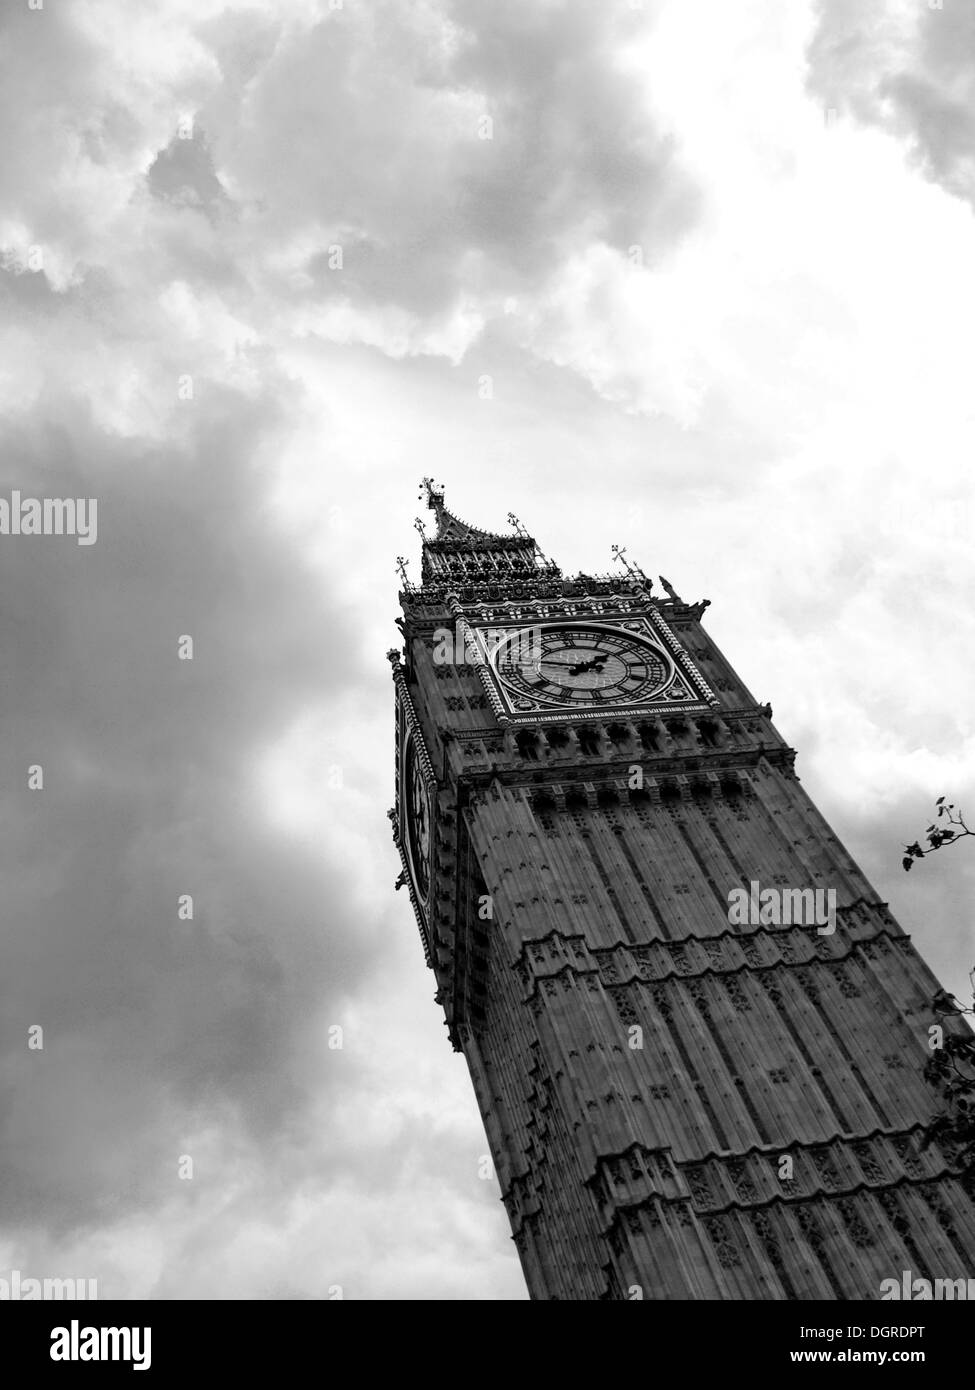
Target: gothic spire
{"type": "Point", "coordinates": [450, 527]}
{"type": "Point", "coordinates": [460, 552]}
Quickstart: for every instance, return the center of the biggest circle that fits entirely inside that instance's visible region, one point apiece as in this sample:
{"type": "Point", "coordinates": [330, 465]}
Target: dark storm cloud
{"type": "Point", "coordinates": [150, 791]}
{"type": "Point", "coordinates": [911, 72]}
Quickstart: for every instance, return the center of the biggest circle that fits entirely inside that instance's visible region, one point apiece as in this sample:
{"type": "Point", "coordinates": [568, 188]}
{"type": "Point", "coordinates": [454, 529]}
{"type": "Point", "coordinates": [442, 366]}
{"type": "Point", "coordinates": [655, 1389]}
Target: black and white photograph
{"type": "Point", "coordinates": [486, 616]}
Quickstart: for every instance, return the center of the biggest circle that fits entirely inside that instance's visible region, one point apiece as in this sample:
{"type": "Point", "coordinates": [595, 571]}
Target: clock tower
{"type": "Point", "coordinates": [695, 1033]}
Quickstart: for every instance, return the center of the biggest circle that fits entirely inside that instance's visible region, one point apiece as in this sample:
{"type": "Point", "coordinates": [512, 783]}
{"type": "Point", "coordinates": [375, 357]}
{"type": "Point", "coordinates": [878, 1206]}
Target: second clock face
{"type": "Point", "coordinates": [581, 665]}
{"type": "Point", "coordinates": [416, 818]}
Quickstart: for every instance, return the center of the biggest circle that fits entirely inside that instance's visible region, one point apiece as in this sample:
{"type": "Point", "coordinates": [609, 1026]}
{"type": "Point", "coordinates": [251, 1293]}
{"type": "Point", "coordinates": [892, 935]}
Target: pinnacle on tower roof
{"type": "Point", "coordinates": [450, 527]}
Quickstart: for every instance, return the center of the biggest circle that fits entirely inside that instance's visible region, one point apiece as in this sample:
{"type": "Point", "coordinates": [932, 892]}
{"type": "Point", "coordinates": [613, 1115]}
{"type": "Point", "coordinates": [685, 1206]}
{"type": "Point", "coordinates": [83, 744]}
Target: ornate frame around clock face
{"type": "Point", "coordinates": [582, 667]}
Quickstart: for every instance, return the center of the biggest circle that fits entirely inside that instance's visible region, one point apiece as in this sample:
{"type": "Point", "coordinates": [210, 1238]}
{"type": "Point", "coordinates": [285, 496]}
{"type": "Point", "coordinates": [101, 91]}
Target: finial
{"type": "Point", "coordinates": [434, 494]}
{"type": "Point", "coordinates": [513, 521]}
{"type": "Point", "coordinates": [634, 571]}
{"type": "Point", "coordinates": [420, 526]}
{"type": "Point", "coordinates": [670, 590]}
{"type": "Point", "coordinates": [401, 568]}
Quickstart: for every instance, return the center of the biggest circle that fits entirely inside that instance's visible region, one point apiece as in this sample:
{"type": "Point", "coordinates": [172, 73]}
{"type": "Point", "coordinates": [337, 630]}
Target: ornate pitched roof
{"type": "Point", "coordinates": [485, 567]}
{"type": "Point", "coordinates": [461, 552]}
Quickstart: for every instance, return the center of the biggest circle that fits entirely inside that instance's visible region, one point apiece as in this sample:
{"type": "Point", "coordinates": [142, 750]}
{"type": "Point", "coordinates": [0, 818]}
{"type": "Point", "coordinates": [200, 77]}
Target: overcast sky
{"type": "Point", "coordinates": [694, 277]}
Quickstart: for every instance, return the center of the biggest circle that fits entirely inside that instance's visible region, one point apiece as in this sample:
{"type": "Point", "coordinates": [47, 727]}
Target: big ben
{"type": "Point", "coordinates": [681, 1101]}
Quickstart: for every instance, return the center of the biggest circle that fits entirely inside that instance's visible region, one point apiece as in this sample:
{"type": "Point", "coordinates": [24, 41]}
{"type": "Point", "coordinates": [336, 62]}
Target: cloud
{"type": "Point", "coordinates": [183, 173]}
{"type": "Point", "coordinates": [209, 1038]}
{"type": "Point", "coordinates": [146, 791]}
{"type": "Point", "coordinates": [908, 69]}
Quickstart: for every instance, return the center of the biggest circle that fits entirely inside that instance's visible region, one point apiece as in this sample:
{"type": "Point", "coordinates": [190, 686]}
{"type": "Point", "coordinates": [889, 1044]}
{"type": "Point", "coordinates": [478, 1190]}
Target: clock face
{"type": "Point", "coordinates": [416, 816]}
{"type": "Point", "coordinates": [575, 665]}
